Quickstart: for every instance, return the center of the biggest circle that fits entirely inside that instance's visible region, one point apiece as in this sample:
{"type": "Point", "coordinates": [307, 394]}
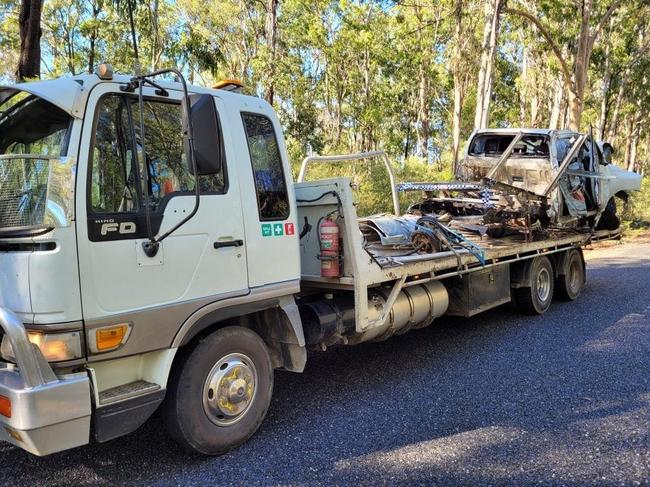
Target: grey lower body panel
{"type": "Point", "coordinates": [173, 321]}
{"type": "Point", "coordinates": [124, 417]}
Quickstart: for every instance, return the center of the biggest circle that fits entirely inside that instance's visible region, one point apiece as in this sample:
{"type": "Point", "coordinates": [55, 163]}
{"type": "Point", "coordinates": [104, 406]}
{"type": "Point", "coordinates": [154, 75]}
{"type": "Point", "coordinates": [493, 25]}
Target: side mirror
{"type": "Point", "coordinates": [207, 135]}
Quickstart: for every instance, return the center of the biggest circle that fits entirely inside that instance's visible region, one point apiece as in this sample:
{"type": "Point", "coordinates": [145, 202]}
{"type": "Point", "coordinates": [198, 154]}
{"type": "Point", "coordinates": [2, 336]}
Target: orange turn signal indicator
{"type": "Point", "coordinates": [5, 406]}
{"type": "Point", "coordinates": [111, 337]}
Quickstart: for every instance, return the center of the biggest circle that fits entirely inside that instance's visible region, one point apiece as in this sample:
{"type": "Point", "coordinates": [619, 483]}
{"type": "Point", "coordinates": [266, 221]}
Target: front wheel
{"type": "Point", "coordinates": [609, 220]}
{"type": "Point", "coordinates": [220, 392]}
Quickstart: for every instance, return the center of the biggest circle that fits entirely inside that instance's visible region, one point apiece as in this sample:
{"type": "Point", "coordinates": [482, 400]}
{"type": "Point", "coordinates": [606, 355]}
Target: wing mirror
{"type": "Point", "coordinates": [206, 132]}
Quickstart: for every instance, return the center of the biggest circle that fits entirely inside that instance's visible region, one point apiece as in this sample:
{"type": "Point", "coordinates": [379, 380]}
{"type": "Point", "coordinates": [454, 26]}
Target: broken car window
{"type": "Point", "coordinates": [494, 145]}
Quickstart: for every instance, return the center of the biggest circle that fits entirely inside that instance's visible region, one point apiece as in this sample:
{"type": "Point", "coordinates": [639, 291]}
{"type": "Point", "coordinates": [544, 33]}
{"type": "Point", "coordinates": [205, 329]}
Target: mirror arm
{"type": "Point", "coordinates": [150, 248]}
{"type": "Point", "coordinates": [145, 175]}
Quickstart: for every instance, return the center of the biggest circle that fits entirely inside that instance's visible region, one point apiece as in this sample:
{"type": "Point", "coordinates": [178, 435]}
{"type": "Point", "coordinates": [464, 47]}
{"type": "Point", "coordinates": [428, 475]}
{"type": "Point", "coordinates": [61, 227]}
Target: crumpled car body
{"type": "Point", "coordinates": [588, 184]}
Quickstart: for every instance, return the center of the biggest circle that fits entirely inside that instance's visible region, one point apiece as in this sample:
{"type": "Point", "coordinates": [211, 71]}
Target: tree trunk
{"type": "Point", "coordinates": [635, 143]}
{"type": "Point", "coordinates": [92, 41]}
{"type": "Point", "coordinates": [523, 88]}
{"type": "Point", "coordinates": [613, 126]}
{"type": "Point", "coordinates": [423, 114]}
{"type": "Point", "coordinates": [155, 35]}
{"type": "Point", "coordinates": [575, 109]}
{"type": "Point", "coordinates": [645, 163]}
{"type": "Point", "coordinates": [488, 50]}
{"type": "Point", "coordinates": [458, 108]}
{"type": "Point", "coordinates": [29, 21]}
{"type": "Point", "coordinates": [604, 91]}
{"type": "Point", "coordinates": [636, 130]}
{"type": "Point", "coordinates": [576, 79]}
{"type": "Point", "coordinates": [556, 119]}
{"type": "Point", "coordinates": [271, 31]}
{"type": "Point", "coordinates": [407, 142]}
{"type": "Point", "coordinates": [628, 141]}
{"type": "Point", "coordinates": [458, 83]}
{"type": "Point", "coordinates": [580, 67]}
{"type": "Point", "coordinates": [604, 103]}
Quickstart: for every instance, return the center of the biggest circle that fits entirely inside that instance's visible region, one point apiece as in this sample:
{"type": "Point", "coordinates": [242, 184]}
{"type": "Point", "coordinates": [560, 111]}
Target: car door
{"type": "Point", "coordinates": [117, 279]}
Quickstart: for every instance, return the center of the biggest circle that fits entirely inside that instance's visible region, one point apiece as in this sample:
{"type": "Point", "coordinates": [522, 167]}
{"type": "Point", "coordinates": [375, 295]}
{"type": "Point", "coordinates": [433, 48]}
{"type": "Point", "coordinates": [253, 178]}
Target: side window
{"type": "Point", "coordinates": [113, 178]}
{"type": "Point", "coordinates": [118, 159]}
{"type": "Point", "coordinates": [562, 147]}
{"type": "Point", "coordinates": [270, 186]}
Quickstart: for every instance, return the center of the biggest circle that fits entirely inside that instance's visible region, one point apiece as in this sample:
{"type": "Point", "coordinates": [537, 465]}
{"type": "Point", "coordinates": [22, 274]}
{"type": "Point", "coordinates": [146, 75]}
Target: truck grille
{"type": "Point", "coordinates": [23, 192]}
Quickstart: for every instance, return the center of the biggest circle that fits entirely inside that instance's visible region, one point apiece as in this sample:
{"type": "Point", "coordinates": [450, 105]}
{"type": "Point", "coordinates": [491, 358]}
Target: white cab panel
{"type": "Point", "coordinates": [14, 283]}
{"type": "Point", "coordinates": [274, 258]}
{"type": "Point", "coordinates": [54, 280]}
{"type": "Point", "coordinates": [113, 277]}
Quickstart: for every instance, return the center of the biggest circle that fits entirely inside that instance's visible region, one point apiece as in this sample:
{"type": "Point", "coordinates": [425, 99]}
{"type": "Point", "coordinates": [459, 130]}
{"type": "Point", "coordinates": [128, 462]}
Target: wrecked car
{"type": "Point", "coordinates": [543, 177]}
{"type": "Point", "coordinates": [511, 182]}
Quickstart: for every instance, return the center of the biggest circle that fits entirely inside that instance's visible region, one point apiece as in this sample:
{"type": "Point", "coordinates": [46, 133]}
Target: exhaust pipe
{"type": "Point", "coordinates": [330, 321]}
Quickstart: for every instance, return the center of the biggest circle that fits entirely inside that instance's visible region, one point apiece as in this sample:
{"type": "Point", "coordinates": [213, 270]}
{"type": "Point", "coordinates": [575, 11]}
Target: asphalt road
{"type": "Point", "coordinates": [561, 399]}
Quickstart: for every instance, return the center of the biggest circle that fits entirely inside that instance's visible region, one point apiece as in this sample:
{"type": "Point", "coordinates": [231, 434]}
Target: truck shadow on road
{"type": "Point", "coordinates": [498, 398]}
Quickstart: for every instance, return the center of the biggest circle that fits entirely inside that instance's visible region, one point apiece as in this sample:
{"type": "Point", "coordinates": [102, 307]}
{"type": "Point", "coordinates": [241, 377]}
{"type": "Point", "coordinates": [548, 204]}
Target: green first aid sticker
{"type": "Point", "coordinates": [276, 229]}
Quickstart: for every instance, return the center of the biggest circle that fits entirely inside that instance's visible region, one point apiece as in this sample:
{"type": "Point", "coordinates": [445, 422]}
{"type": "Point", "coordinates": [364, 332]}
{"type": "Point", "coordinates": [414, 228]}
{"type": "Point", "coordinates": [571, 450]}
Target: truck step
{"type": "Point", "coordinates": [126, 391]}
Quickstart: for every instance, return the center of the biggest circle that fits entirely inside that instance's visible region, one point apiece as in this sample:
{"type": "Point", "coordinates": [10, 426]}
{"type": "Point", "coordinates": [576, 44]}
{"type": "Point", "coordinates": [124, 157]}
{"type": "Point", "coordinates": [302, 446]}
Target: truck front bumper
{"type": "Point", "coordinates": [43, 413]}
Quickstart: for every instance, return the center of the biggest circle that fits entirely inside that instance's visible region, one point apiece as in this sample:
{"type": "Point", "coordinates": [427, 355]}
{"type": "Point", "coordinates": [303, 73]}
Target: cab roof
{"type": "Point", "coordinates": [69, 93]}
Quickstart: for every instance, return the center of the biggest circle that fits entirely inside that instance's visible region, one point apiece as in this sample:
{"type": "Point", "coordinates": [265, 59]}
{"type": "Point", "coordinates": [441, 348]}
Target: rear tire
{"type": "Point", "coordinates": [220, 392]}
{"type": "Point", "coordinates": [569, 284]}
{"type": "Point", "coordinates": [536, 298]}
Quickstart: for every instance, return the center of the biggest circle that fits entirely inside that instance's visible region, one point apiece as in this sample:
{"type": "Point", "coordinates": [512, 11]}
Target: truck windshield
{"type": "Point", "coordinates": [36, 179]}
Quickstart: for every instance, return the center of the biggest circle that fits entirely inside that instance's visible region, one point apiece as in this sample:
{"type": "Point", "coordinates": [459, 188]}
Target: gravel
{"type": "Point", "coordinates": [561, 399]}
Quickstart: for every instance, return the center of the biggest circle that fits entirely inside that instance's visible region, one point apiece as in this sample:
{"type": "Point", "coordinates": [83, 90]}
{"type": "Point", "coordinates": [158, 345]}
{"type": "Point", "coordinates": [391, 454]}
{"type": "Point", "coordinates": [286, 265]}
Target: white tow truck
{"type": "Point", "coordinates": [154, 251]}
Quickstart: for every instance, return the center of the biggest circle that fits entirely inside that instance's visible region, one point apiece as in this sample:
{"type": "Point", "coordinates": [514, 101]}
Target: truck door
{"type": "Point", "coordinates": [201, 262]}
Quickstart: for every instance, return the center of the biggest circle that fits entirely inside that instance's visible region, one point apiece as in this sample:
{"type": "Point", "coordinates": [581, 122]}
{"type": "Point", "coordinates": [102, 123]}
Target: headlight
{"type": "Point", "coordinates": [55, 347]}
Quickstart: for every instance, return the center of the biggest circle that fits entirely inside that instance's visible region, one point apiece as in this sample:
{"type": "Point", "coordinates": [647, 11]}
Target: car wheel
{"type": "Point", "coordinates": [219, 393]}
{"type": "Point", "coordinates": [608, 218]}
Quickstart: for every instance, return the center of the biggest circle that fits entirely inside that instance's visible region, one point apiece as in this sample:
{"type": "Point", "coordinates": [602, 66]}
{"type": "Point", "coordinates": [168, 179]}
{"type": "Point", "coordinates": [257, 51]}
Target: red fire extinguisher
{"type": "Point", "coordinates": [328, 232]}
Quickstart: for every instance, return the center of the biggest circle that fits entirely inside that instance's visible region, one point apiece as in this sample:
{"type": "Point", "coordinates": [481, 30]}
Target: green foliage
{"type": "Point", "coordinates": [372, 184]}
{"type": "Point", "coordinates": [352, 75]}
{"type": "Point", "coordinates": [637, 209]}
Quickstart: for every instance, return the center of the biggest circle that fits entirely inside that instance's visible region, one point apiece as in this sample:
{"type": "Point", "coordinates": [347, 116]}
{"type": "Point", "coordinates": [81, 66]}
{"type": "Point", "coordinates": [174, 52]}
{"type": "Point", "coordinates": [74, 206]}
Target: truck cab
{"type": "Point", "coordinates": [93, 170]}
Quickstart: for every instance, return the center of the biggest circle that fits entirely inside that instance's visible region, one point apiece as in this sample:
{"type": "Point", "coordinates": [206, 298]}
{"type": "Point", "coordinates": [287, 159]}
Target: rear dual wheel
{"type": "Point", "coordinates": [542, 284]}
{"type": "Point", "coordinates": [571, 275]}
{"type": "Point", "coordinates": [536, 297]}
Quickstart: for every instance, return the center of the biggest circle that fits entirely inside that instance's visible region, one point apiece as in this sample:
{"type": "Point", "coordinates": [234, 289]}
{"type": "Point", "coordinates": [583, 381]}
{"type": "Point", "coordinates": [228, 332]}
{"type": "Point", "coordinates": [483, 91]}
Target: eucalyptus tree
{"type": "Point", "coordinates": [29, 21]}
{"type": "Point", "coordinates": [583, 28]}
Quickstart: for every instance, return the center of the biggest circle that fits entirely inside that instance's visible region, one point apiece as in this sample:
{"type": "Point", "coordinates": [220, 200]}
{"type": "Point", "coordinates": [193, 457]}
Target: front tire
{"type": "Point", "coordinates": [609, 220]}
{"type": "Point", "coordinates": [536, 298]}
{"type": "Point", "coordinates": [220, 392]}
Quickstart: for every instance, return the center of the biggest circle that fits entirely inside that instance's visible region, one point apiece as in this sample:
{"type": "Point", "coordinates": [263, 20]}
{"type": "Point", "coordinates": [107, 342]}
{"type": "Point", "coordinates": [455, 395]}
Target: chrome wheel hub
{"type": "Point", "coordinates": [229, 389]}
{"type": "Point", "coordinates": [543, 285]}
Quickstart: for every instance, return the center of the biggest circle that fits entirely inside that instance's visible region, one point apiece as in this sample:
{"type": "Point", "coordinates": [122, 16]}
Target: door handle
{"type": "Point", "coordinates": [229, 243]}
